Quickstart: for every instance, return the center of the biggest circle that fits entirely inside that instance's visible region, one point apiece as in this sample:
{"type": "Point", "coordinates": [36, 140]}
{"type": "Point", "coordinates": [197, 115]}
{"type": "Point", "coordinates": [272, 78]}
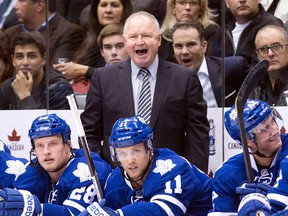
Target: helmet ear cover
{"type": "Point", "coordinates": [49, 125]}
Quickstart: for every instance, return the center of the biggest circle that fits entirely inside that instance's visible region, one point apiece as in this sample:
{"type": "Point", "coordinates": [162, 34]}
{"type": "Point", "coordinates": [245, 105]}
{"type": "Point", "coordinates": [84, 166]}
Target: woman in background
{"type": "Point", "coordinates": [183, 11]}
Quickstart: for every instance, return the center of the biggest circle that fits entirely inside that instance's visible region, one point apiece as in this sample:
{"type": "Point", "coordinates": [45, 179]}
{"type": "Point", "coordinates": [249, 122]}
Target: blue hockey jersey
{"type": "Point", "coordinates": [278, 196]}
{"type": "Point", "coordinates": [74, 191]}
{"type": "Point", "coordinates": [172, 187]}
{"type": "Point", "coordinates": [10, 166]}
{"type": "Point", "coordinates": [231, 174]}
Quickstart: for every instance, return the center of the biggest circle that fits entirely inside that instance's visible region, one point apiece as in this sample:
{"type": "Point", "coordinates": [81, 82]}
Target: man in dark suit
{"type": "Point", "coordinates": [190, 46]}
{"type": "Point", "coordinates": [64, 37]}
{"type": "Point", "coordinates": [178, 112]}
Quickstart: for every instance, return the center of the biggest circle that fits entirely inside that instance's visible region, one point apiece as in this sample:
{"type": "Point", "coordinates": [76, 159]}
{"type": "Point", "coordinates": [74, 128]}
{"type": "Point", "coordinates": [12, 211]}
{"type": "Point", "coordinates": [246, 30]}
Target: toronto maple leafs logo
{"type": "Point", "coordinates": [163, 166]}
{"type": "Point", "coordinates": [137, 196]}
{"type": "Point", "coordinates": [15, 167]}
{"type": "Point", "coordinates": [82, 172]}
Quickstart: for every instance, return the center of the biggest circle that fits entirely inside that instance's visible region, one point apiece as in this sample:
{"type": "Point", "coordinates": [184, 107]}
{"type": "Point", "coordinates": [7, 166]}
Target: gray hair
{"type": "Point", "coordinates": [145, 15]}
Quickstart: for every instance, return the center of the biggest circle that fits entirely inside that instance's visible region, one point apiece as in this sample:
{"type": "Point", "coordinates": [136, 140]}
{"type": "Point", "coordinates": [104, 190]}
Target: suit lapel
{"type": "Point", "coordinates": [163, 77]}
{"type": "Point", "coordinates": [124, 77]}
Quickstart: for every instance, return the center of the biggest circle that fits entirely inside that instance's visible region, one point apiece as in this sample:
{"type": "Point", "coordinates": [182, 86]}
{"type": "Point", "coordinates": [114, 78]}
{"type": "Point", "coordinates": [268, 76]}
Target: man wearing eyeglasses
{"type": "Point", "coordinates": [272, 44]}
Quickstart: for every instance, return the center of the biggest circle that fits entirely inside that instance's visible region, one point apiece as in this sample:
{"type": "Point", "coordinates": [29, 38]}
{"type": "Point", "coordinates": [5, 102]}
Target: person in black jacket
{"type": "Point", "coordinates": [248, 17]}
{"type": "Point", "coordinates": [190, 47]}
{"type": "Point", "coordinates": [28, 89]}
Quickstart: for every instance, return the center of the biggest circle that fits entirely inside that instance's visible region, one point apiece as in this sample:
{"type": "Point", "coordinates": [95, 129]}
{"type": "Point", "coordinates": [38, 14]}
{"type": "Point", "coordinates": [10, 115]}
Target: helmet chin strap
{"type": "Point", "coordinates": [263, 155]}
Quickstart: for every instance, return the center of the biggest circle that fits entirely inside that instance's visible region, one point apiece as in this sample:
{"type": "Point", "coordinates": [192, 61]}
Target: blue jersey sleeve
{"type": "Point", "coordinates": [278, 196]}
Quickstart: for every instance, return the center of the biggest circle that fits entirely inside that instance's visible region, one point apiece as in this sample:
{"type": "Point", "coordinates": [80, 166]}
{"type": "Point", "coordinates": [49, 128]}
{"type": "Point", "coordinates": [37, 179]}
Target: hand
{"type": "Point", "coordinates": [248, 188]}
{"type": "Point", "coordinates": [96, 209]}
{"type": "Point", "coordinates": [18, 202]}
{"type": "Point", "coordinates": [71, 70]}
{"type": "Point", "coordinates": [254, 204]}
{"type": "Point", "coordinates": [22, 84]}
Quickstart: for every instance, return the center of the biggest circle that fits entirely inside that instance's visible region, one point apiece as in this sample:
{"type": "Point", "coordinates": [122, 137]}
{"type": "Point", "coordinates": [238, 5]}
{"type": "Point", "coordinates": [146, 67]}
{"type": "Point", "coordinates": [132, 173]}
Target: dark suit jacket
{"type": "Point", "coordinates": [236, 69]}
{"type": "Point", "coordinates": [64, 37]}
{"type": "Point", "coordinates": [178, 118]}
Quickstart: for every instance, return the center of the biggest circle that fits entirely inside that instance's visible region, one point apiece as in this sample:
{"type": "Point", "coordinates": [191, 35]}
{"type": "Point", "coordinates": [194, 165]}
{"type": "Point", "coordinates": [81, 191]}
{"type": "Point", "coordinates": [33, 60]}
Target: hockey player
{"type": "Point", "coordinates": [276, 201]}
{"type": "Point", "coordinates": [69, 189]}
{"type": "Point", "coordinates": [150, 182]}
{"type": "Point", "coordinates": [10, 166]}
{"type": "Point", "coordinates": [267, 149]}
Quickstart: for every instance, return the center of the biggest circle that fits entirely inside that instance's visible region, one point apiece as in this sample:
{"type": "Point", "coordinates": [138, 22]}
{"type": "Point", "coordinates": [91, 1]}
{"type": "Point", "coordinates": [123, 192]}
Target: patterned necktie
{"type": "Point", "coordinates": [144, 103]}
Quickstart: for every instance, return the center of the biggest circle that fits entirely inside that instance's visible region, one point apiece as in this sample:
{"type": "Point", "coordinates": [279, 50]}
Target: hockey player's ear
{"type": "Point", "coordinates": [251, 145]}
{"type": "Point", "coordinates": [69, 146]}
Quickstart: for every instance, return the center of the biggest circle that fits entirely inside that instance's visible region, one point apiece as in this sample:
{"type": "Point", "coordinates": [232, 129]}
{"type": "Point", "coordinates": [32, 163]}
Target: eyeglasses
{"type": "Point", "coordinates": [274, 47]}
{"type": "Point", "coordinates": [183, 3]}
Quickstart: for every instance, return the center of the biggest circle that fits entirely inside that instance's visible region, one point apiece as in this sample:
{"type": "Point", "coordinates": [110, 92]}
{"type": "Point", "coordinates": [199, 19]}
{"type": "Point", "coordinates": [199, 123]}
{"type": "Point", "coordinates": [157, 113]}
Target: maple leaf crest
{"type": "Point", "coordinates": [15, 167]}
{"type": "Point", "coordinates": [163, 166]}
{"type": "Point", "coordinates": [82, 172]}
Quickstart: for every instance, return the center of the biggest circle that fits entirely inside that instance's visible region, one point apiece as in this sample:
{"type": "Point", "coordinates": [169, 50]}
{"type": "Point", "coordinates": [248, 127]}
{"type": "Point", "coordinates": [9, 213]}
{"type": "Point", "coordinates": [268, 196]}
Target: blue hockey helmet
{"type": "Point", "coordinates": [255, 112]}
{"type": "Point", "coordinates": [49, 125]}
{"type": "Point", "coordinates": [128, 132]}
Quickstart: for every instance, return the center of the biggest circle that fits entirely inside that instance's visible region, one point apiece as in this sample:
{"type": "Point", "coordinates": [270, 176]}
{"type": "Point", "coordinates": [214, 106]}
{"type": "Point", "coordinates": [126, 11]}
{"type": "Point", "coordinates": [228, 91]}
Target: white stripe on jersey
{"type": "Point", "coordinates": [165, 207]}
{"type": "Point", "coordinates": [170, 199]}
{"type": "Point", "coordinates": [222, 214]}
{"type": "Point", "coordinates": [278, 197]}
{"type": "Point", "coordinates": [74, 205]}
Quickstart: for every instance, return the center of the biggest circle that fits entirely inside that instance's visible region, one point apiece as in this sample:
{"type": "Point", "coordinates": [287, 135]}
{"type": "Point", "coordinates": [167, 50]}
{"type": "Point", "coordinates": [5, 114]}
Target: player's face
{"type": "Point", "coordinates": [142, 40]}
{"type": "Point", "coordinates": [278, 58]}
{"type": "Point", "coordinates": [114, 49]}
{"type": "Point", "coordinates": [243, 10]}
{"type": "Point", "coordinates": [52, 153]}
{"type": "Point", "coordinates": [28, 59]}
{"type": "Point", "coordinates": [134, 160]}
{"type": "Point", "coordinates": [189, 50]}
{"type": "Point", "coordinates": [268, 137]}
{"type": "Point", "coordinates": [110, 11]}
{"type": "Point", "coordinates": [185, 10]}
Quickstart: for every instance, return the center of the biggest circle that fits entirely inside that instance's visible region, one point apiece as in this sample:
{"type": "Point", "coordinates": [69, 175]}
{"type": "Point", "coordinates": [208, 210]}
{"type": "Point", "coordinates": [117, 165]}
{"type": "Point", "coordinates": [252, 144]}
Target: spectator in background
{"type": "Point", "coordinates": [276, 7]}
{"type": "Point", "coordinates": [267, 148]}
{"type": "Point", "coordinates": [240, 31]}
{"type": "Point", "coordinates": [101, 13]}
{"type": "Point", "coordinates": [6, 66]}
{"type": "Point", "coordinates": [155, 7]}
{"type": "Point", "coordinates": [8, 17]}
{"type": "Point", "coordinates": [28, 89]}
{"type": "Point", "coordinates": [178, 115]}
{"type": "Point", "coordinates": [112, 48]}
{"type": "Point", "coordinates": [272, 44]}
{"type": "Point", "coordinates": [64, 37]}
{"type": "Point", "coordinates": [190, 48]}
{"type": "Point", "coordinates": [71, 9]}
{"type": "Point", "coordinates": [183, 11]}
